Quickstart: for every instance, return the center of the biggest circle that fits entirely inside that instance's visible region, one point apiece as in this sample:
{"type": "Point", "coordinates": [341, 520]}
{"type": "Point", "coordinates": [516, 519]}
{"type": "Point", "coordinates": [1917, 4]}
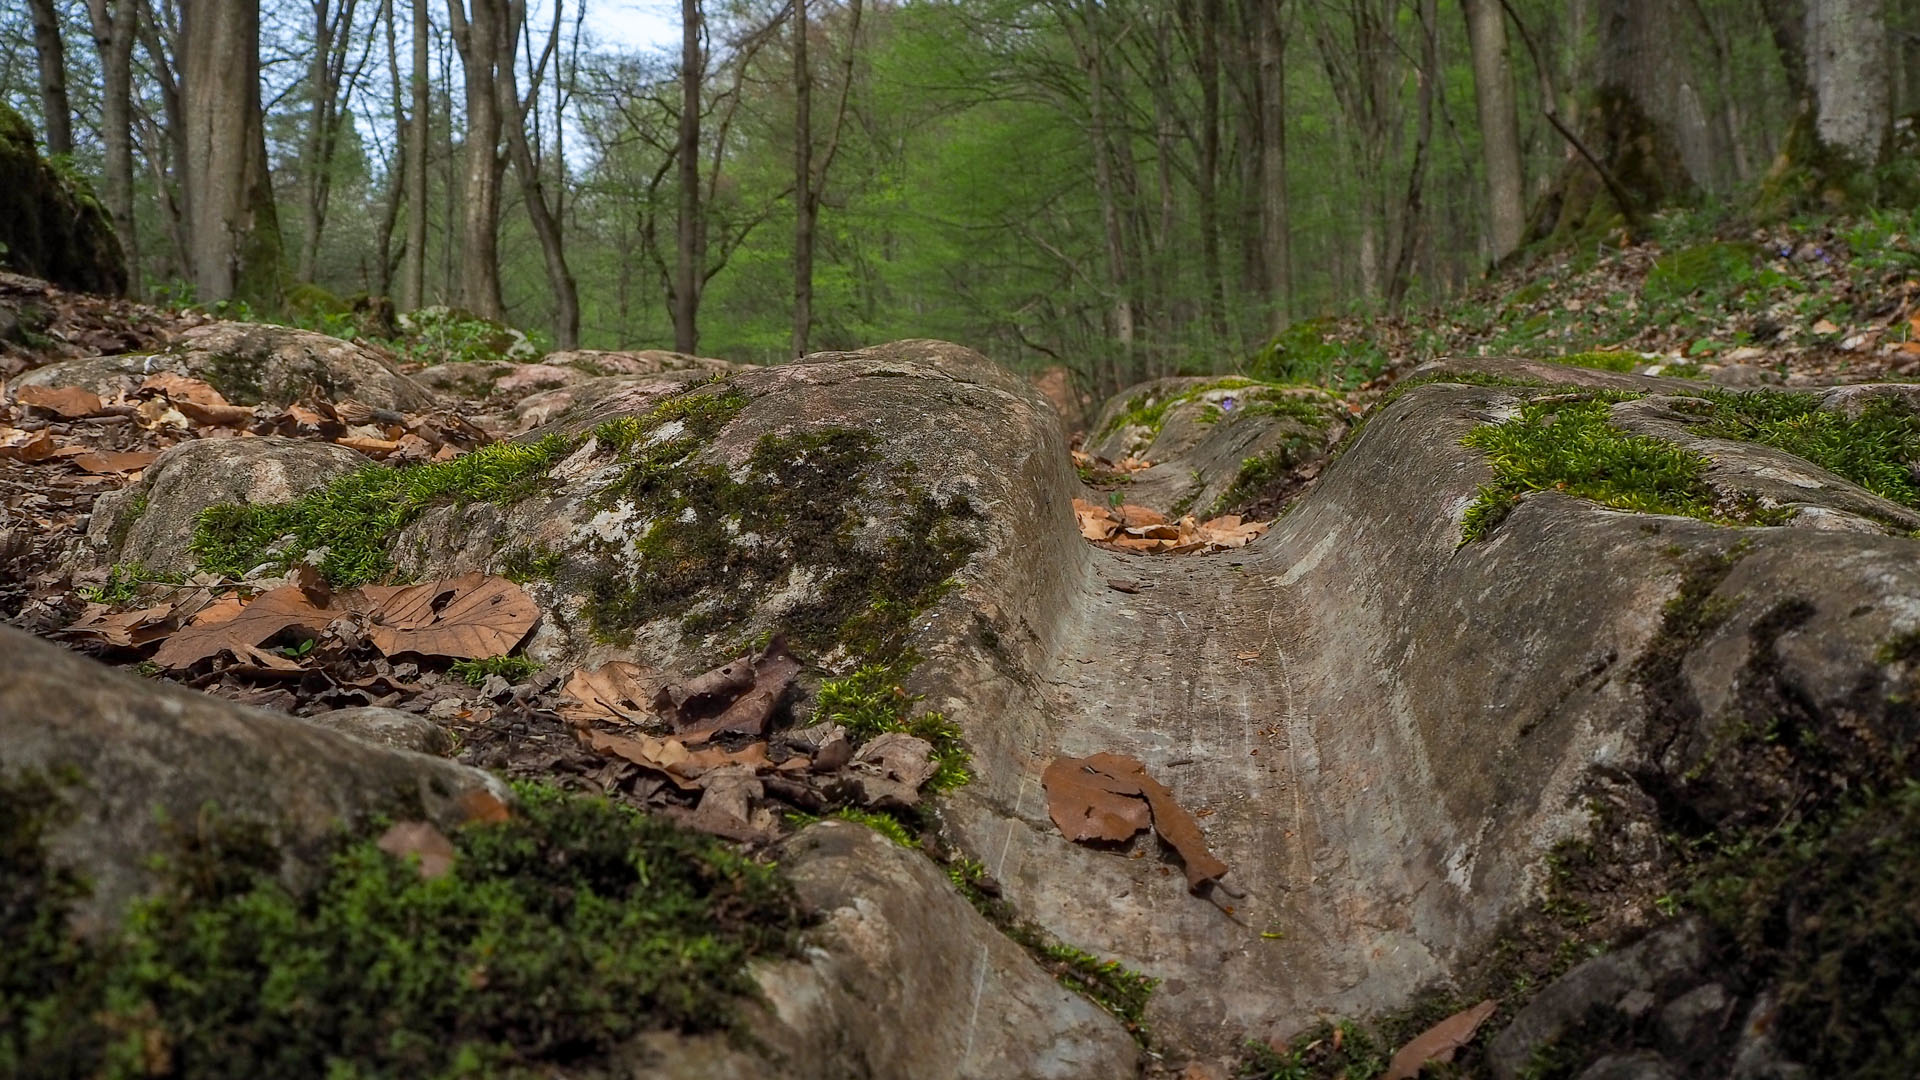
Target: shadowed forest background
{"type": "Point", "coordinates": [1127, 189]}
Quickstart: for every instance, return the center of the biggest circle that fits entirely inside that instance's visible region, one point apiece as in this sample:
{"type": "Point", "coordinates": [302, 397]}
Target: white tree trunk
{"type": "Point", "coordinates": [1847, 67]}
{"type": "Point", "coordinates": [1499, 123]}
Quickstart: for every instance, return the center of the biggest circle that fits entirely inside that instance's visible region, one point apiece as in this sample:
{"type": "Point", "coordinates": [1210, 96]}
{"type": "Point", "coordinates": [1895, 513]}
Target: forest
{"type": "Point", "coordinates": [1124, 187]}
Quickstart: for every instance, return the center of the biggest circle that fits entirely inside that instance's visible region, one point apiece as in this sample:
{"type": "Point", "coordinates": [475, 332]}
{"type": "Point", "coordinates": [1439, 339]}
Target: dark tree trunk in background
{"type": "Point", "coordinates": [802, 183]}
{"type": "Point", "coordinates": [114, 26]}
{"type": "Point", "coordinates": [544, 218]}
{"type": "Point", "coordinates": [234, 234]}
{"type": "Point", "coordinates": [1276, 247]}
{"type": "Point", "coordinates": [483, 43]}
{"type": "Point", "coordinates": [1499, 124]}
{"type": "Point", "coordinates": [52, 55]}
{"type": "Point", "coordinates": [690, 249]}
{"type": "Point", "coordinates": [413, 274]}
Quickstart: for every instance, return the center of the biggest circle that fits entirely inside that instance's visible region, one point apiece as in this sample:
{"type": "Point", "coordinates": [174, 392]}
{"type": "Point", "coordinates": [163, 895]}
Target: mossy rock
{"type": "Point", "coordinates": [50, 226]}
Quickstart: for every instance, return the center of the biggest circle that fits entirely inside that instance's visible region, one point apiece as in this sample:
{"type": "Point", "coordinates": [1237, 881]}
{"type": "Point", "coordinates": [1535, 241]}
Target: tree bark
{"type": "Point", "coordinates": [413, 273]}
{"type": "Point", "coordinates": [483, 43]}
{"type": "Point", "coordinates": [234, 234]}
{"type": "Point", "coordinates": [690, 249]}
{"type": "Point", "coordinates": [1402, 274]}
{"type": "Point", "coordinates": [1499, 124]}
{"type": "Point", "coordinates": [545, 219]}
{"type": "Point", "coordinates": [1846, 43]}
{"type": "Point", "coordinates": [52, 54]}
{"type": "Point", "coordinates": [114, 26]}
{"type": "Point", "coordinates": [1275, 228]}
{"type": "Point", "coordinates": [1119, 276]}
{"type": "Point", "coordinates": [802, 183]}
{"type": "Point", "coordinates": [1207, 46]}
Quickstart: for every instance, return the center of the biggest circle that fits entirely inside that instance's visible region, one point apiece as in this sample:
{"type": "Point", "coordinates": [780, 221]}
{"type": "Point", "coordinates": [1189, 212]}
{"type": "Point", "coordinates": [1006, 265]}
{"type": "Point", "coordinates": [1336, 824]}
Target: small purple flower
{"type": "Point", "coordinates": [1226, 403]}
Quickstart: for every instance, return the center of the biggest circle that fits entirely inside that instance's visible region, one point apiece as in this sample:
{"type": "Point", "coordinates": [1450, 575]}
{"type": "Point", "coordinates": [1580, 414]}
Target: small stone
{"type": "Point", "coordinates": [495, 688]}
{"type": "Point", "coordinates": [388, 727]}
{"type": "Point", "coordinates": [446, 709]}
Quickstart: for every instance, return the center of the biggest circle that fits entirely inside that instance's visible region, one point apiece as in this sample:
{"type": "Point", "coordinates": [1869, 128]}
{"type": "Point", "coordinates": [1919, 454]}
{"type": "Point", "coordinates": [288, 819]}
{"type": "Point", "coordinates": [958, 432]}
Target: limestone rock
{"type": "Point", "coordinates": [387, 727]}
{"type": "Point", "coordinates": [151, 522]}
{"type": "Point", "coordinates": [48, 228]}
{"type": "Point", "coordinates": [148, 754]}
{"type": "Point", "coordinates": [251, 363]}
{"type": "Point", "coordinates": [967, 1001]}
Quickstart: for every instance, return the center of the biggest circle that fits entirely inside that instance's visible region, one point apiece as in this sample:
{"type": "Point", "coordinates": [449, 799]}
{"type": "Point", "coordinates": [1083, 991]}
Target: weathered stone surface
{"type": "Point", "coordinates": [387, 727]}
{"type": "Point", "coordinates": [150, 523]}
{"type": "Point", "coordinates": [1636, 1066]}
{"type": "Point", "coordinates": [961, 1000]}
{"type": "Point", "coordinates": [251, 363]}
{"type": "Point", "coordinates": [47, 228]}
{"type": "Point", "coordinates": [558, 405]}
{"type": "Point", "coordinates": [1623, 983]}
{"type": "Point", "coordinates": [636, 362]}
{"type": "Point", "coordinates": [149, 754]}
{"type": "Point", "coordinates": [1201, 445]}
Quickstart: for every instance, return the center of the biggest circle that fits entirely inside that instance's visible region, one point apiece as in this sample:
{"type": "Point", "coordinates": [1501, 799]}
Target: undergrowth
{"type": "Point", "coordinates": [351, 521]}
{"type": "Point", "coordinates": [556, 936]}
{"type": "Point", "coordinates": [1879, 449]}
{"type": "Point", "coordinates": [514, 669]}
{"type": "Point", "coordinates": [1572, 447]}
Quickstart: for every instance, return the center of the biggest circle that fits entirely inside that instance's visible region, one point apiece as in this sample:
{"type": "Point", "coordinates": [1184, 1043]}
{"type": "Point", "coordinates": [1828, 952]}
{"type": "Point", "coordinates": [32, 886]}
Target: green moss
{"type": "Point", "coordinates": [1570, 446]}
{"type": "Point", "coordinates": [1716, 266]}
{"type": "Point", "coordinates": [1260, 474]}
{"type": "Point", "coordinates": [1899, 649]}
{"type": "Point", "coordinates": [1879, 450]}
{"type": "Point", "coordinates": [555, 937]}
{"type": "Point", "coordinates": [514, 669]}
{"type": "Point", "coordinates": [353, 520]}
{"type": "Point", "coordinates": [717, 544]}
{"type": "Point", "coordinates": [1269, 399]}
{"type": "Point", "coordinates": [1826, 909]}
{"type": "Point", "coordinates": [871, 702]}
{"type": "Point", "coordinates": [1333, 1051]}
{"type": "Point", "coordinates": [885, 824]}
{"type": "Point", "coordinates": [1602, 360]}
{"type": "Point", "coordinates": [127, 519]}
{"type": "Point", "coordinates": [1311, 352]}
{"type": "Point", "coordinates": [237, 377]}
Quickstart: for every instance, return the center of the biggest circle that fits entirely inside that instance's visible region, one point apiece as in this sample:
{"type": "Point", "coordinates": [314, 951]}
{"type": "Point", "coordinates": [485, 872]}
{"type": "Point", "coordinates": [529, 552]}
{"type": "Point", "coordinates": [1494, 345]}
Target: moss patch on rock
{"type": "Point", "coordinates": [352, 521]}
{"type": "Point", "coordinates": [555, 936]}
{"type": "Point", "coordinates": [1571, 446]}
{"type": "Point", "coordinates": [861, 547]}
{"type": "Point", "coordinates": [51, 226]}
{"type": "Point", "coordinates": [1879, 449]}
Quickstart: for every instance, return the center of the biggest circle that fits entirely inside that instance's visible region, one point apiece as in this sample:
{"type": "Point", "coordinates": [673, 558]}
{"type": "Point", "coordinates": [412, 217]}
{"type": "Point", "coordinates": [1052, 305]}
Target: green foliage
{"type": "Point", "coordinates": [1327, 1051]}
{"type": "Point", "coordinates": [445, 335]}
{"type": "Point", "coordinates": [1309, 353]}
{"type": "Point", "coordinates": [1877, 450]}
{"type": "Point", "coordinates": [1718, 267]}
{"type": "Point", "coordinates": [122, 585]}
{"type": "Point", "coordinates": [1258, 475]}
{"type": "Point", "coordinates": [1107, 983]}
{"type": "Point", "coordinates": [871, 702]}
{"type": "Point", "coordinates": [556, 936]}
{"type": "Point", "coordinates": [1603, 360]}
{"type": "Point", "coordinates": [514, 669]}
{"type": "Point", "coordinates": [354, 518]}
{"type": "Point", "coordinates": [885, 824]}
{"type": "Point", "coordinates": [1572, 447]}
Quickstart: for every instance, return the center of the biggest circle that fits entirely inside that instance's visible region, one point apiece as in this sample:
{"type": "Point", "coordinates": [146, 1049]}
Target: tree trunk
{"type": "Point", "coordinates": [399, 168]}
{"type": "Point", "coordinates": [483, 43]}
{"type": "Point", "coordinates": [1208, 62]}
{"type": "Point", "coordinates": [690, 250]}
{"type": "Point", "coordinates": [53, 76]}
{"type": "Point", "coordinates": [1275, 229]}
{"type": "Point", "coordinates": [234, 234]}
{"type": "Point", "coordinates": [1499, 124]}
{"type": "Point", "coordinates": [1410, 216]}
{"type": "Point", "coordinates": [1846, 45]}
{"type": "Point", "coordinates": [802, 183]}
{"type": "Point", "coordinates": [114, 26]}
{"type": "Point", "coordinates": [172, 178]}
{"type": "Point", "coordinates": [545, 220]}
{"type": "Point", "coordinates": [413, 274]}
{"type": "Point", "coordinates": [1119, 282]}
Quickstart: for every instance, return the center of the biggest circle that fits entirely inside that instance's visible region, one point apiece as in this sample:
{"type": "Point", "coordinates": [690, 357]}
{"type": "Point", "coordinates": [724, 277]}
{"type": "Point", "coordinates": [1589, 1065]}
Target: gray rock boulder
{"type": "Point", "coordinates": [387, 727]}
{"type": "Point", "coordinates": [148, 757]}
{"type": "Point", "coordinates": [150, 522]}
{"type": "Point", "coordinates": [251, 363]}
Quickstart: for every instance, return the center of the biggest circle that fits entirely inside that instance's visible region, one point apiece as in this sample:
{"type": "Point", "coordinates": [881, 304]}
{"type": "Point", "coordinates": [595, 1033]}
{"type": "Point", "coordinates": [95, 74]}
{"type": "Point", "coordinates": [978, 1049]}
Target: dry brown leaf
{"type": "Point", "coordinates": [126, 629]}
{"type": "Point", "coordinates": [28, 446]}
{"type": "Point", "coordinates": [231, 626]}
{"type": "Point", "coordinates": [465, 618]}
{"type": "Point", "coordinates": [181, 388]}
{"type": "Point", "coordinates": [1089, 804]}
{"type": "Point", "coordinates": [1096, 782]}
{"type": "Point", "coordinates": [219, 416]}
{"type": "Point", "coordinates": [422, 841]}
{"type": "Point", "coordinates": [479, 806]}
{"type": "Point", "coordinates": [65, 402]}
{"type": "Point", "coordinates": [671, 757]}
{"type": "Point", "coordinates": [1438, 1042]}
{"type": "Point", "coordinates": [617, 690]}
{"type": "Point", "coordinates": [768, 676]}
{"type": "Point", "coordinates": [113, 462]}
{"type": "Point", "coordinates": [373, 448]}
